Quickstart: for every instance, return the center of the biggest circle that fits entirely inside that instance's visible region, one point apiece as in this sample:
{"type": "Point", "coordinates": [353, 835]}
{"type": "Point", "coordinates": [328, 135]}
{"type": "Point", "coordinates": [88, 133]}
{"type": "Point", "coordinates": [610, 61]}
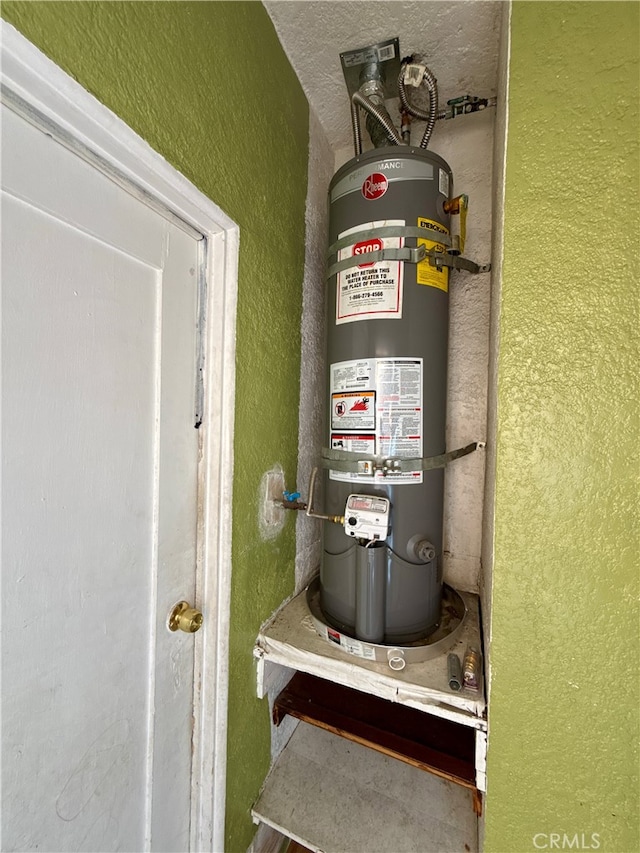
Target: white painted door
{"type": "Point", "coordinates": [99, 507]}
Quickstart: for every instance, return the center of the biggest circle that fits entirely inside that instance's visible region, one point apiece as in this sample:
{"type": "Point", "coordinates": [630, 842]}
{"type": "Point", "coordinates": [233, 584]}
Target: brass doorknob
{"type": "Point", "coordinates": [185, 618]}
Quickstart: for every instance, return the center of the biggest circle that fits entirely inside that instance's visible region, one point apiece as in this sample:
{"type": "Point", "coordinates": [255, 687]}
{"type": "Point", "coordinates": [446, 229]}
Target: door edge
{"type": "Point", "coordinates": [32, 78]}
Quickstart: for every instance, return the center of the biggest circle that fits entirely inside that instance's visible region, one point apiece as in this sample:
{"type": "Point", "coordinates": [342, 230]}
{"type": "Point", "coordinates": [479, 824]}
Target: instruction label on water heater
{"type": "Point", "coordinates": [369, 291]}
{"type": "Point", "coordinates": [376, 410]}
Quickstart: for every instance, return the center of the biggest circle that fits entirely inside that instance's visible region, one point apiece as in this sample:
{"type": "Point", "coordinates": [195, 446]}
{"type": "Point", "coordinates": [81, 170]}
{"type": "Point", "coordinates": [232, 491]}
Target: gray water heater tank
{"type": "Point", "coordinates": [387, 336]}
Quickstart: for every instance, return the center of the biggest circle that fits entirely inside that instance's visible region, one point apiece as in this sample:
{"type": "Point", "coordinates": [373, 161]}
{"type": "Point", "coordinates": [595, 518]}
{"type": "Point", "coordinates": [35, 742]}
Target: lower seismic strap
{"type": "Point", "coordinates": [353, 463]}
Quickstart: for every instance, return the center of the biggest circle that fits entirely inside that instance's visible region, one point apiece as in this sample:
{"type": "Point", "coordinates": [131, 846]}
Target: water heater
{"type": "Point", "coordinates": [387, 340]}
{"type": "Point", "coordinates": [395, 231]}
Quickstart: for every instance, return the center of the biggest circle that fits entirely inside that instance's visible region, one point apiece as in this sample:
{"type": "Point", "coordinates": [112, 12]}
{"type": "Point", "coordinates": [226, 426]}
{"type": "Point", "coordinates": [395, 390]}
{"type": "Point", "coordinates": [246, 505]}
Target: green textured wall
{"type": "Point", "coordinates": [208, 86]}
{"type": "Point", "coordinates": [564, 705]}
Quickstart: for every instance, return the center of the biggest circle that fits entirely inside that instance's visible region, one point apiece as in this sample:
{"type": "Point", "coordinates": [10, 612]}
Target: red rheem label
{"type": "Point", "coordinates": [373, 245]}
{"type": "Point", "coordinates": [375, 186]}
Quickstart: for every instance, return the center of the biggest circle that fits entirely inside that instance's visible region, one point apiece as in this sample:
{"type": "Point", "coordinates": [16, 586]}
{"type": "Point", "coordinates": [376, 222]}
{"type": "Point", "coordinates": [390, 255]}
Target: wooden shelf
{"type": "Point", "coordinates": [331, 794]}
{"type": "Point", "coordinates": [429, 743]}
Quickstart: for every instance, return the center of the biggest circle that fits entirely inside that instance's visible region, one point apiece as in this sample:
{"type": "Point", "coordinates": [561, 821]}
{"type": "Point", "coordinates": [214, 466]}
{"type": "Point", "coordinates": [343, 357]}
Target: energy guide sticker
{"type": "Point", "coordinates": [369, 290]}
{"type": "Point", "coordinates": [425, 273]}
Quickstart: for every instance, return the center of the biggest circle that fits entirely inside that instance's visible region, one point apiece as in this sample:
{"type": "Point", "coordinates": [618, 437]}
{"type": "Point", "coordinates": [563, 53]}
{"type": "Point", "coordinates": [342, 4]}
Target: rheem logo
{"type": "Point", "coordinates": [373, 245]}
{"type": "Point", "coordinates": [375, 186]}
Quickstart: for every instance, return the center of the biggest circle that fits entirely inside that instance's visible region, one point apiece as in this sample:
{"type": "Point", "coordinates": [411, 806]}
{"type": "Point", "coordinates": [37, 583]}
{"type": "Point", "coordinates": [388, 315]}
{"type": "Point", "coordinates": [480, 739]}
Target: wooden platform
{"type": "Point", "coordinates": [290, 640]}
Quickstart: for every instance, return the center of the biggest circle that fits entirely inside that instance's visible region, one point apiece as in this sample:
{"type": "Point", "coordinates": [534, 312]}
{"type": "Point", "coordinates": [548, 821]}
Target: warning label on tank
{"type": "Point", "coordinates": [426, 274]}
{"type": "Point", "coordinates": [353, 410]}
{"type": "Point", "coordinates": [365, 443]}
{"type": "Point", "coordinates": [376, 410]}
{"type": "Point", "coordinates": [369, 290]}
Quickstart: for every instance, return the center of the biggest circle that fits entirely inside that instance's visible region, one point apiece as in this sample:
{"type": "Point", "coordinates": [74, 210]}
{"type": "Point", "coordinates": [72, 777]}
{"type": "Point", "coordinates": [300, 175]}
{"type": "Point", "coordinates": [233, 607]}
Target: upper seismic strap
{"type": "Point", "coordinates": [353, 463]}
{"type": "Point", "coordinates": [412, 256]}
{"type": "Point", "coordinates": [389, 231]}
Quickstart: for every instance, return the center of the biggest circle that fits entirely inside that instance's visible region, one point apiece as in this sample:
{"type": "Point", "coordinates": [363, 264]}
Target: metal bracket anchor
{"type": "Point", "coordinates": [456, 262]}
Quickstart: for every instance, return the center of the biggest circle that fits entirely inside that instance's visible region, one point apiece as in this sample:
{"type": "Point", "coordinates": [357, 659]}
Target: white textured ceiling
{"type": "Point", "coordinates": [459, 39]}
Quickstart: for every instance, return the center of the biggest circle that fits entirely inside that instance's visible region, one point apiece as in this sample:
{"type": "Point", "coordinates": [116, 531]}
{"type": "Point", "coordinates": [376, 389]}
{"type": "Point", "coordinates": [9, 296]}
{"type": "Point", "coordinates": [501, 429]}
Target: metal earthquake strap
{"type": "Point", "coordinates": [412, 256]}
{"type": "Point", "coordinates": [389, 231]}
{"type": "Point", "coordinates": [456, 262]}
{"type": "Point", "coordinates": [353, 463]}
